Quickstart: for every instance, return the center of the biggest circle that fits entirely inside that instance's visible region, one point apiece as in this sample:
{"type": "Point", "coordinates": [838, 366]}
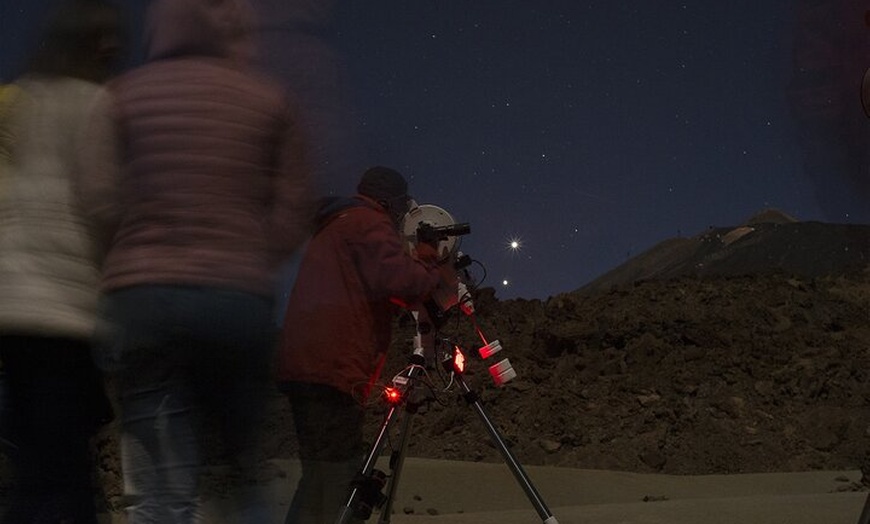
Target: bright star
{"type": "Point", "coordinates": [514, 244]}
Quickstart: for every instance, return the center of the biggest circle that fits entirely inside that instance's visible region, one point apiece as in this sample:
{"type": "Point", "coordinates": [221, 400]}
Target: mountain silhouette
{"type": "Point", "coordinates": [767, 243]}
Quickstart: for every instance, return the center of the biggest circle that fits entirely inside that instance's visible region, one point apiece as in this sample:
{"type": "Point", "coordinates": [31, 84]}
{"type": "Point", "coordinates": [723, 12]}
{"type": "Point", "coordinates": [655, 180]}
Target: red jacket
{"type": "Point", "coordinates": [338, 323]}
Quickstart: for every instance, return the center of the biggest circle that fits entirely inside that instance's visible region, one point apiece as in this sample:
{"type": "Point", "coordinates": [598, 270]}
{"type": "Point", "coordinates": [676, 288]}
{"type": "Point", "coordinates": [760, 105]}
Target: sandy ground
{"type": "Point", "coordinates": [441, 491]}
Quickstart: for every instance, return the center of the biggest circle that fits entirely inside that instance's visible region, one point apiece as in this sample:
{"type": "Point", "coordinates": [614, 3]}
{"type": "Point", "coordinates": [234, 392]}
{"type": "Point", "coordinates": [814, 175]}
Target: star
{"type": "Point", "coordinates": [514, 244]}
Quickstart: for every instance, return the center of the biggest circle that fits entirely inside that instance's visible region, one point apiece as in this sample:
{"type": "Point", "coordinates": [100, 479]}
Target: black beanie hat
{"type": "Point", "coordinates": [382, 183]}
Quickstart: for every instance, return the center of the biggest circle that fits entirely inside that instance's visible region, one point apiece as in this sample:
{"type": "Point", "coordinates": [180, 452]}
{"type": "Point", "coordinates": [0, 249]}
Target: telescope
{"type": "Point", "coordinates": [431, 234]}
{"type": "Point", "coordinates": [374, 489]}
{"type": "Point", "coordinates": [433, 225]}
{"type": "Point", "coordinates": [430, 224]}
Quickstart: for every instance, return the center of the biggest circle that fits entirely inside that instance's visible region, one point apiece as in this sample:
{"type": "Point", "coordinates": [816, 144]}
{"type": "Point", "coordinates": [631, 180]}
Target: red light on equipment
{"type": "Point", "coordinates": [458, 360]}
{"type": "Point", "coordinates": [392, 395]}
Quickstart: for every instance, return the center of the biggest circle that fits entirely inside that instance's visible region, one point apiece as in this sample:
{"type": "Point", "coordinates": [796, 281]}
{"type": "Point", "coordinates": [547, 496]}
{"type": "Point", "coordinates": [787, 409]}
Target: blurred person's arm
{"type": "Point", "coordinates": [99, 156]}
{"type": "Point", "coordinates": [291, 213]}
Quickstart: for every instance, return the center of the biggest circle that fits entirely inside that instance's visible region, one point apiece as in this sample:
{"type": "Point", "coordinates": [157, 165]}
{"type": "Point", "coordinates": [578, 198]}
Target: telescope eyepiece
{"type": "Point", "coordinates": [429, 233]}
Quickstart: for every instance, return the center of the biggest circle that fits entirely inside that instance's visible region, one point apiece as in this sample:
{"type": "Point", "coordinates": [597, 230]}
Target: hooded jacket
{"type": "Point", "coordinates": [338, 323]}
{"type": "Point", "coordinates": [197, 163]}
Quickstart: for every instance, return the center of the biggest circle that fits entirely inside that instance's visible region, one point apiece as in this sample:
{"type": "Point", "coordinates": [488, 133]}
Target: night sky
{"type": "Point", "coordinates": [586, 131]}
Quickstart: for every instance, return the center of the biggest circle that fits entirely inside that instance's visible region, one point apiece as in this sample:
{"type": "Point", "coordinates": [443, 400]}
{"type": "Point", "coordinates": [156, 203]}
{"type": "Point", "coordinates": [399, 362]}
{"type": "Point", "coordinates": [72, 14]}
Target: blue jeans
{"type": "Point", "coordinates": [182, 354]}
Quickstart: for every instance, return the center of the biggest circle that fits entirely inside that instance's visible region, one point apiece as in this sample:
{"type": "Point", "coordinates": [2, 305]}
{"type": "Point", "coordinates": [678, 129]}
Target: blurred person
{"type": "Point", "coordinates": [203, 194]}
{"type": "Point", "coordinates": [295, 47]}
{"type": "Point", "coordinates": [49, 269]}
{"type": "Point", "coordinates": [337, 330]}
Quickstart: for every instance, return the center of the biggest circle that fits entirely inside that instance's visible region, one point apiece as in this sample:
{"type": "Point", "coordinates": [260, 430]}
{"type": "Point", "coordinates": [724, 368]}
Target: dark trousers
{"type": "Point", "coordinates": [329, 428]}
{"type": "Point", "coordinates": [57, 402]}
{"type": "Point", "coordinates": [184, 356]}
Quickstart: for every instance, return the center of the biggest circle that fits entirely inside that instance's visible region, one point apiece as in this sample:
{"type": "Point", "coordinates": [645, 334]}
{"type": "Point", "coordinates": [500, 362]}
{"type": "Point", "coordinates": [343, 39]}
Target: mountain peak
{"type": "Point", "coordinates": [770, 216]}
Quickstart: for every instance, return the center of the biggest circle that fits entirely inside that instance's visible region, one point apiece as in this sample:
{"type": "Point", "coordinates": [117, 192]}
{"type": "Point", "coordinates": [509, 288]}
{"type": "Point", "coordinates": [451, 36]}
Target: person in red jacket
{"type": "Point", "coordinates": [337, 330]}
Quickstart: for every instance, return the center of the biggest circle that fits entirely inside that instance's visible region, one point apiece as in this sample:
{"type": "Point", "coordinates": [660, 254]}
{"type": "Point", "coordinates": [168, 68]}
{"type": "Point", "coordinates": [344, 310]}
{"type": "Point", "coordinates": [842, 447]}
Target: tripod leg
{"type": "Point", "coordinates": [347, 512]}
{"type": "Point", "coordinates": [364, 488]}
{"type": "Point", "coordinates": [514, 465]}
{"type": "Point", "coordinates": [397, 460]}
{"type": "Point", "coordinates": [865, 513]}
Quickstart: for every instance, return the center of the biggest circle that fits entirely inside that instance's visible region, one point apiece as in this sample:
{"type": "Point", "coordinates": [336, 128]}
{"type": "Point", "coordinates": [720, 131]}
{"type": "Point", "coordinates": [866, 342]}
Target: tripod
{"type": "Point", "coordinates": [366, 493]}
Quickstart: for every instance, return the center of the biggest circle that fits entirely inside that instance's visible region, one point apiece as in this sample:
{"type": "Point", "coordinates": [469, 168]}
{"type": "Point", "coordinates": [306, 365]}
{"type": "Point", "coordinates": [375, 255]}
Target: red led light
{"type": "Point", "coordinates": [392, 395]}
{"type": "Point", "coordinates": [458, 360]}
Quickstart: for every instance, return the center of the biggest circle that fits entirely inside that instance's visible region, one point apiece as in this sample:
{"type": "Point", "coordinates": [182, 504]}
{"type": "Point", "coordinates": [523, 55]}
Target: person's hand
{"type": "Point", "coordinates": [426, 253]}
{"type": "Point", "coordinates": [449, 275]}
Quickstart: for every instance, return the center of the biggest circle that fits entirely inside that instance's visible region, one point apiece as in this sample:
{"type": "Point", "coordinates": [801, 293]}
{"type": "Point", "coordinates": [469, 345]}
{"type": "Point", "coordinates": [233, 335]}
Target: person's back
{"type": "Point", "coordinates": [204, 138]}
{"type": "Point", "coordinates": [205, 195]}
{"type": "Point", "coordinates": [48, 270]}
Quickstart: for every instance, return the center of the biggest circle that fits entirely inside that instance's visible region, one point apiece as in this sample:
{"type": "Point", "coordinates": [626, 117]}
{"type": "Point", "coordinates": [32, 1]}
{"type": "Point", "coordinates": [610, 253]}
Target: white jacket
{"type": "Point", "coordinates": [48, 259]}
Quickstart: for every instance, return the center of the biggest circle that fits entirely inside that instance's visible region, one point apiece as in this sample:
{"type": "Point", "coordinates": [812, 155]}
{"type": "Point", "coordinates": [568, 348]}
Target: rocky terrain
{"type": "Point", "coordinates": [743, 349]}
{"type": "Point", "coordinates": [687, 376]}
